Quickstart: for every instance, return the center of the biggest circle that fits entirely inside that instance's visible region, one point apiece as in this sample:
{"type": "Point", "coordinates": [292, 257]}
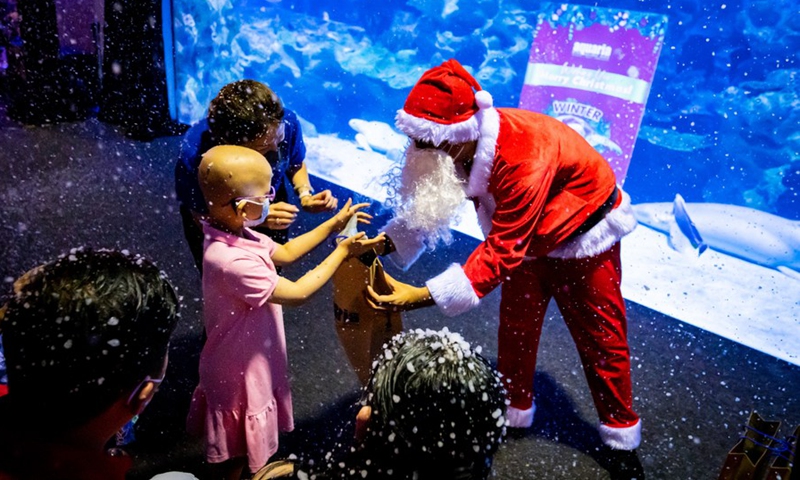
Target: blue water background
{"type": "Point", "coordinates": [722, 122]}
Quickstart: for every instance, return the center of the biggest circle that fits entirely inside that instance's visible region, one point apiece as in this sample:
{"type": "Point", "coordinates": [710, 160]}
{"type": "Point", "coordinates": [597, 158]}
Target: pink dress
{"type": "Point", "coordinates": [243, 399]}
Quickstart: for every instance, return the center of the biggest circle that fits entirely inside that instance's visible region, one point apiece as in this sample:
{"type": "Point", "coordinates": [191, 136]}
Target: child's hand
{"type": "Point", "coordinates": [359, 244]}
{"type": "Point", "coordinates": [343, 216]}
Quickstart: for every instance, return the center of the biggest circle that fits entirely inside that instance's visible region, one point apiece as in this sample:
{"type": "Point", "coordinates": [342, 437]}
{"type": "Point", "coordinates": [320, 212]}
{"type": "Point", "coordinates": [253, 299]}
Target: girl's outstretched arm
{"type": "Point", "coordinates": [295, 248]}
{"type": "Point", "coordinates": [295, 293]}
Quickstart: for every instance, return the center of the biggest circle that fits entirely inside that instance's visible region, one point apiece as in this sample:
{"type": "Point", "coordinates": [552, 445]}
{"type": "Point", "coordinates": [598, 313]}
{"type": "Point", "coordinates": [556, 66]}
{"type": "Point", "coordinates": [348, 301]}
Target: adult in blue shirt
{"type": "Point", "coordinates": [247, 113]}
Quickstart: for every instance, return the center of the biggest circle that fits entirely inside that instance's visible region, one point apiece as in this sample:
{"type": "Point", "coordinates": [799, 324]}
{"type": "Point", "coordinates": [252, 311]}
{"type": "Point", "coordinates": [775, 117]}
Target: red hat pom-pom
{"type": "Point", "coordinates": [483, 99]}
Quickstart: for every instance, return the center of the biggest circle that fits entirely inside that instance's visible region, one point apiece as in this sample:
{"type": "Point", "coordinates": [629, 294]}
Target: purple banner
{"type": "Point", "coordinates": [592, 68]}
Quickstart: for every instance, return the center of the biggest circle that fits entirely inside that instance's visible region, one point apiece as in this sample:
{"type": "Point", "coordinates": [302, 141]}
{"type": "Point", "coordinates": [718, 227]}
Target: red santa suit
{"type": "Point", "coordinates": [552, 217]}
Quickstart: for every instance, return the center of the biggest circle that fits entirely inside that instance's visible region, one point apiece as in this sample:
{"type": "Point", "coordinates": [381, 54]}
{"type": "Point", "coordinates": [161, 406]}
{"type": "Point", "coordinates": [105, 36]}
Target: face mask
{"type": "Point", "coordinates": [258, 221]}
{"type": "Point", "coordinates": [262, 200]}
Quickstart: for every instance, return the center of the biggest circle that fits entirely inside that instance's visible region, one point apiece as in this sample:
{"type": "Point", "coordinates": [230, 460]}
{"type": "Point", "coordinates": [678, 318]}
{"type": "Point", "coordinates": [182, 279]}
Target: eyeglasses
{"type": "Point", "coordinates": [259, 200]}
{"type": "Point", "coordinates": [273, 137]}
{"type": "Point", "coordinates": [270, 140]}
{"type": "Point", "coordinates": [280, 133]}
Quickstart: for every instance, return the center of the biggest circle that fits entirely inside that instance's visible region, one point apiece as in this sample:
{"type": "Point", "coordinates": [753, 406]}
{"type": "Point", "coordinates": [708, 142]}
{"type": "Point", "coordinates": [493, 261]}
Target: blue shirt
{"type": "Point", "coordinates": [196, 141]}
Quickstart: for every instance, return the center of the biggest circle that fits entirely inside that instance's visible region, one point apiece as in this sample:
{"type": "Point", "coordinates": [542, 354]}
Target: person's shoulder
{"type": "Point", "coordinates": [233, 254]}
{"type": "Point", "coordinates": [513, 112]}
{"type": "Point", "coordinates": [196, 130]}
{"type": "Point", "coordinates": [535, 125]}
{"type": "Point", "coordinates": [289, 116]}
{"type": "Point", "coordinates": [293, 143]}
{"type": "Point", "coordinates": [191, 143]}
{"type": "Point", "coordinates": [292, 122]}
{"type": "Point", "coordinates": [200, 125]}
{"type": "Point", "coordinates": [214, 256]}
{"type": "Point", "coordinates": [217, 245]}
{"type": "Point", "coordinates": [224, 262]}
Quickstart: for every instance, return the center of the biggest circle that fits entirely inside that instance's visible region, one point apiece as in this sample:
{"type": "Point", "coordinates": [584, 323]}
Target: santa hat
{"type": "Point", "coordinates": [442, 106]}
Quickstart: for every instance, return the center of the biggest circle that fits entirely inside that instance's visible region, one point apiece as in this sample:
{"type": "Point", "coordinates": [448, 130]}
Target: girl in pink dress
{"type": "Point", "coordinates": [244, 399]}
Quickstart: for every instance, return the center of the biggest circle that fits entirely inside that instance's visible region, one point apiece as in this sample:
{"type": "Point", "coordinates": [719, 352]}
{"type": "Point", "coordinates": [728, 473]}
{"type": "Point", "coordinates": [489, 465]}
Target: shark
{"type": "Point", "coordinates": [749, 234]}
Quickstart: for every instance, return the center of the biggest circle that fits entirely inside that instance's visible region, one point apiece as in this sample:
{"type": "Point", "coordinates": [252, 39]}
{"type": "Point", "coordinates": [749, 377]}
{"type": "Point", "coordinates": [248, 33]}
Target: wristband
{"type": "Point", "coordinates": [304, 191]}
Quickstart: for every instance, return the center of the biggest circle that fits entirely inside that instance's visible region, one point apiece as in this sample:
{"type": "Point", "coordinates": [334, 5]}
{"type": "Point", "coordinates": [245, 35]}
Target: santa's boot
{"type": "Point", "coordinates": [518, 418]}
{"type": "Point", "coordinates": [621, 464]}
{"type": "Point", "coordinates": [618, 453]}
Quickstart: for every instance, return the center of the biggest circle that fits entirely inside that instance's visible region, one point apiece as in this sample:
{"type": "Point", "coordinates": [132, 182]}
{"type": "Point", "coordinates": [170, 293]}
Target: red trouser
{"type": "Point", "coordinates": [587, 291]}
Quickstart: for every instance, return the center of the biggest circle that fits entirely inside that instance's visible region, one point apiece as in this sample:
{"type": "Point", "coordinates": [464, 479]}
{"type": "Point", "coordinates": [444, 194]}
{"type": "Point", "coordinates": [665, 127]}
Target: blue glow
{"type": "Point", "coordinates": [720, 126]}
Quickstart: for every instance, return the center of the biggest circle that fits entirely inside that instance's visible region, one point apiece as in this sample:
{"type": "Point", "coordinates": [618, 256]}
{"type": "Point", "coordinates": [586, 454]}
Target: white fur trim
{"type": "Point", "coordinates": [408, 243]}
{"type": "Point", "coordinates": [484, 99]}
{"type": "Point", "coordinates": [618, 223]}
{"type": "Point", "coordinates": [625, 438]}
{"type": "Point", "coordinates": [452, 291]}
{"type": "Point", "coordinates": [489, 121]}
{"type": "Point", "coordinates": [520, 418]}
{"type": "Point", "coordinates": [485, 211]}
{"type": "Point", "coordinates": [436, 133]}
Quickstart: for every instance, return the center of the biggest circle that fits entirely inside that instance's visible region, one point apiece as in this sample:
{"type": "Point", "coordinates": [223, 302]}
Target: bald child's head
{"type": "Point", "coordinates": [228, 173]}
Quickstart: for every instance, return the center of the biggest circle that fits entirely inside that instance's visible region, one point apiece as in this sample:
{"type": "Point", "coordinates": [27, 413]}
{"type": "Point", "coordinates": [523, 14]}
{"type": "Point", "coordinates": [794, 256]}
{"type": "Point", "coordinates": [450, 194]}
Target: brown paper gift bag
{"type": "Point", "coordinates": [779, 465]}
{"type": "Point", "coordinates": [751, 453]}
{"type": "Point", "coordinates": [362, 330]}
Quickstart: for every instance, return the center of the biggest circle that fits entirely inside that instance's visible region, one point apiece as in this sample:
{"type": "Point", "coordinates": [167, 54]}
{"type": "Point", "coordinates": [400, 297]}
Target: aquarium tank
{"type": "Point", "coordinates": [721, 123]}
{"type": "Point", "coordinates": [694, 104]}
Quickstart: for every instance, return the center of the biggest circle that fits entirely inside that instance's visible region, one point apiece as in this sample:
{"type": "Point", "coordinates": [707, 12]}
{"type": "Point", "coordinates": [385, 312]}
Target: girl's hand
{"type": "Point", "coordinates": [359, 244]}
{"type": "Point", "coordinates": [343, 216]}
{"type": "Point", "coordinates": [280, 216]}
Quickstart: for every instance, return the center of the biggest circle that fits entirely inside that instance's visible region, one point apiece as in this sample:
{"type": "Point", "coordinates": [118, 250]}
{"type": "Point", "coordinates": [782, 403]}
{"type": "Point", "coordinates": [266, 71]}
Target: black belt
{"type": "Point", "coordinates": [598, 215]}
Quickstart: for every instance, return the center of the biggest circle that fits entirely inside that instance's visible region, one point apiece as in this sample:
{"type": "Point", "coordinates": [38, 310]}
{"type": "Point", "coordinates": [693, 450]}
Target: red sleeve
{"type": "Point", "coordinates": [521, 192]}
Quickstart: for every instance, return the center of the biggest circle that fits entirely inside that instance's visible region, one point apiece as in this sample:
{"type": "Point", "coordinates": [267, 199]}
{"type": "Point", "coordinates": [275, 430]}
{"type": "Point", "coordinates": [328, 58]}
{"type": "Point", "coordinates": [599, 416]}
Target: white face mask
{"type": "Point", "coordinates": [258, 221]}
{"type": "Point", "coordinates": [262, 200]}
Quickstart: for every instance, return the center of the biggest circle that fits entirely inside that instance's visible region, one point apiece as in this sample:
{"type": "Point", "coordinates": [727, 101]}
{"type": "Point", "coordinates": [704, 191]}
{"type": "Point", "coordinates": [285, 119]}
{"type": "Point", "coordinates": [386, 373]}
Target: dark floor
{"type": "Point", "coordinates": [83, 183]}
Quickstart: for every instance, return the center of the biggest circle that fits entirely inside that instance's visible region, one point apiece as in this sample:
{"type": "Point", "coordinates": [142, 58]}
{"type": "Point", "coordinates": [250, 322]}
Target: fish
{"type": "Point", "coordinates": [674, 140]}
{"type": "Point", "coordinates": [379, 137]}
{"type": "Point", "coordinates": [743, 232]}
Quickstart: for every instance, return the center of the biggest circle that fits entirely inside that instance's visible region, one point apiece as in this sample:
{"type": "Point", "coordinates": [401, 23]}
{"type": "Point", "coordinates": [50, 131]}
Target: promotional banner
{"type": "Point", "coordinates": [592, 68]}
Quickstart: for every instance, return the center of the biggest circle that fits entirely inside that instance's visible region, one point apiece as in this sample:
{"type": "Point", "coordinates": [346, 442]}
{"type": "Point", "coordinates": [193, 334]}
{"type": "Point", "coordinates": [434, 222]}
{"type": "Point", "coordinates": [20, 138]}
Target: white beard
{"type": "Point", "coordinates": [428, 194]}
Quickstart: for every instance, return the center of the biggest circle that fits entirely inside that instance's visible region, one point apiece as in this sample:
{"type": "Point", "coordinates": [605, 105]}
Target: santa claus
{"type": "Point", "coordinates": [552, 216]}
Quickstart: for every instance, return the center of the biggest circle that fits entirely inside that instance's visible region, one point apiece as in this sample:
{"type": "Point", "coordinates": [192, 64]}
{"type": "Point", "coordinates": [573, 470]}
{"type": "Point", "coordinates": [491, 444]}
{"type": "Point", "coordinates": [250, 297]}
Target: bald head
{"type": "Point", "coordinates": [229, 171]}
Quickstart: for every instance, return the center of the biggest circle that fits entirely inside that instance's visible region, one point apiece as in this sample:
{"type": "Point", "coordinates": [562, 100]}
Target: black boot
{"type": "Point", "coordinates": [621, 464]}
